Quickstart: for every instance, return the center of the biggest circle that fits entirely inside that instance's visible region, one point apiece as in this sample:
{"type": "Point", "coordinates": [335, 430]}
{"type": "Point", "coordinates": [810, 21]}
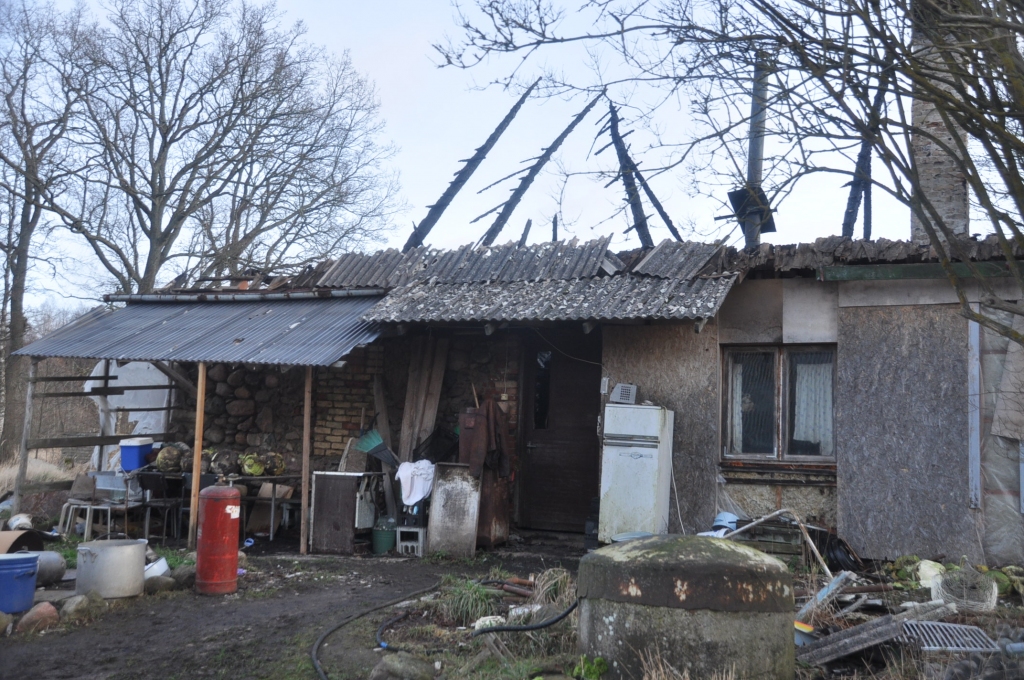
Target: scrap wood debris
{"type": "Point", "coordinates": [941, 614]}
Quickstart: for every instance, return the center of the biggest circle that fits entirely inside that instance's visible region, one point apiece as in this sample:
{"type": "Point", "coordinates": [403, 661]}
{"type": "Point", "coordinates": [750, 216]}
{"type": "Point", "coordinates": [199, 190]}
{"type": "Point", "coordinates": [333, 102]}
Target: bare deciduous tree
{"type": "Point", "coordinates": [38, 54]}
{"type": "Point", "coordinates": [842, 77]}
{"type": "Point", "coordinates": [311, 184]}
{"type": "Point", "coordinates": [208, 130]}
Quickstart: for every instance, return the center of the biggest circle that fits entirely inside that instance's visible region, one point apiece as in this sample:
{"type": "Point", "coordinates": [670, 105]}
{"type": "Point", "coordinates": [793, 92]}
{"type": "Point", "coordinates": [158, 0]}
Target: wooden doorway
{"type": "Point", "coordinates": [559, 474]}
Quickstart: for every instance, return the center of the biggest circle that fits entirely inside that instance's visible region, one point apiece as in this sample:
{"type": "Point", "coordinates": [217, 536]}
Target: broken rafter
{"type": "Point", "coordinates": [656, 203]}
{"type": "Point", "coordinates": [626, 171]}
{"type": "Point", "coordinates": [527, 180]}
{"type": "Point", "coordinates": [526, 232]}
{"type": "Point", "coordinates": [861, 184]}
{"type": "Point", "coordinates": [421, 230]}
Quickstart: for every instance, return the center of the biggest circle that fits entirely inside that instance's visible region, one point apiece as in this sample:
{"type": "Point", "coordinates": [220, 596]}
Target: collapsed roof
{"type": "Point", "coordinates": [552, 281]}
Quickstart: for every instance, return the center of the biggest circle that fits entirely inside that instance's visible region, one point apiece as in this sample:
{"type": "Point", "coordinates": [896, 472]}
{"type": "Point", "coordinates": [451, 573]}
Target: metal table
{"type": "Point", "coordinates": [273, 481]}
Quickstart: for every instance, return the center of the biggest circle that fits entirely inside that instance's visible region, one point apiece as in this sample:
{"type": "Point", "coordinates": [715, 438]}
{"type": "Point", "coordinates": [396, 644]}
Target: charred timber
{"type": "Point", "coordinates": [524, 184]}
{"type": "Point", "coordinates": [626, 172]}
{"type": "Point", "coordinates": [462, 176]}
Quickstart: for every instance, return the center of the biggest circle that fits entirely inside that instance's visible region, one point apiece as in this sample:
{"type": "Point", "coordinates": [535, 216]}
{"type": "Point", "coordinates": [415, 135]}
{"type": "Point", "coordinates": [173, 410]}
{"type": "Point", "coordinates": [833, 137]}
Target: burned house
{"type": "Point", "coordinates": [837, 379]}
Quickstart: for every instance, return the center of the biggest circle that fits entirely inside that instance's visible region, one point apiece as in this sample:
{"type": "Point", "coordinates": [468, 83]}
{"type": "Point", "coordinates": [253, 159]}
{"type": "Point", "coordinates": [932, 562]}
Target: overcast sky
{"type": "Point", "coordinates": [437, 116]}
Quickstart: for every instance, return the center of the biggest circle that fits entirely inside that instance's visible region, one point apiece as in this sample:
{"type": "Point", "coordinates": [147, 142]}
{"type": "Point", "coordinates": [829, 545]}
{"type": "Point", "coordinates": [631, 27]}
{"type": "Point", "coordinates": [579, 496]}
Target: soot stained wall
{"type": "Point", "coordinates": [676, 368]}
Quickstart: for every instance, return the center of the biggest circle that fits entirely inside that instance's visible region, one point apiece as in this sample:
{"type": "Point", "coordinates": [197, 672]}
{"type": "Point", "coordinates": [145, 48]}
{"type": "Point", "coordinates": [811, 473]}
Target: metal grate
{"type": "Point", "coordinates": [935, 636]}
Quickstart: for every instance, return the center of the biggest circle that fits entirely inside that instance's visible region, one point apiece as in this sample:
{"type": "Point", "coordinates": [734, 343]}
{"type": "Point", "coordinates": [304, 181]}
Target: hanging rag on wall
{"type": "Point", "coordinates": [484, 439]}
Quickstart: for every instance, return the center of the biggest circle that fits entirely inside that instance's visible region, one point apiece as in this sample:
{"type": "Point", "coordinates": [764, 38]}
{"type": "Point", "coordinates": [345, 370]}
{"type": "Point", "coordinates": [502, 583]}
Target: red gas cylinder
{"type": "Point", "coordinates": [217, 540]}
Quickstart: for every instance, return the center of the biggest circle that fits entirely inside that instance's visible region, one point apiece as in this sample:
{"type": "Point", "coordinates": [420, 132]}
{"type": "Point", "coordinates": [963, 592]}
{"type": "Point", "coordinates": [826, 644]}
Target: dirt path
{"type": "Point", "coordinates": [265, 631]}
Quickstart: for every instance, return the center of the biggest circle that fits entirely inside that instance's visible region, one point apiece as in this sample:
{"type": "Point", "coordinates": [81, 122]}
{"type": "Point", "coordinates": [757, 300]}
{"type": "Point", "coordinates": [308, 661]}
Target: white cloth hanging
{"type": "Point", "coordinates": [417, 480]}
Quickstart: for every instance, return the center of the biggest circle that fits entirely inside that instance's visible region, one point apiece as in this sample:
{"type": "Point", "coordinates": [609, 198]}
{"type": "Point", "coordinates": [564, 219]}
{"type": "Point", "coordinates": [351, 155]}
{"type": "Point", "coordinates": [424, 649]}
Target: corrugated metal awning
{"type": "Point", "coordinates": [303, 332]}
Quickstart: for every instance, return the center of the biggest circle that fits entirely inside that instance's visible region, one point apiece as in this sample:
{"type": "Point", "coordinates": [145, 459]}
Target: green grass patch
{"type": "Point", "coordinates": [175, 558]}
{"type": "Point", "coordinates": [68, 549]}
{"type": "Point", "coordinates": [462, 601]}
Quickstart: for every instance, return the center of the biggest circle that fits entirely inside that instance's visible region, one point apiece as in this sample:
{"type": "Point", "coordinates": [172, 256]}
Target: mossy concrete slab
{"type": "Point", "coordinates": [687, 572]}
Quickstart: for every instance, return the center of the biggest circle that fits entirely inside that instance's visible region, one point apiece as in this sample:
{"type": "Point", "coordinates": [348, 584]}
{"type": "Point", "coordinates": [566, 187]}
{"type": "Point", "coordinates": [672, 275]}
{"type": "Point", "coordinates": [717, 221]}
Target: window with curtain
{"type": "Point", "coordinates": [779, 402]}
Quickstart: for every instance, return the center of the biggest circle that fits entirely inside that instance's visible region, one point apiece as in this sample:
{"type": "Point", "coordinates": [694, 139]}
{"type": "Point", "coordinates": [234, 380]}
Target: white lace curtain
{"type": "Point", "coordinates": [812, 407]}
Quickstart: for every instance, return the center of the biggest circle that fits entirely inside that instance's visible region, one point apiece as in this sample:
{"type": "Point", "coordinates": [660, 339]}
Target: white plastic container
{"type": "Point", "coordinates": [158, 568]}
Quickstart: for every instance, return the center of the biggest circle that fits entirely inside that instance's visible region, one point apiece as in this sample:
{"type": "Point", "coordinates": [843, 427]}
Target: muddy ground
{"type": "Point", "coordinates": [264, 631]}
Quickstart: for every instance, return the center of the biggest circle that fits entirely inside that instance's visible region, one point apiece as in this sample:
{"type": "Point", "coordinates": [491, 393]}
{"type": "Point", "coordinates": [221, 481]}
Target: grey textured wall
{"type": "Point", "coordinates": [901, 433]}
{"type": "Point", "coordinates": [676, 368]}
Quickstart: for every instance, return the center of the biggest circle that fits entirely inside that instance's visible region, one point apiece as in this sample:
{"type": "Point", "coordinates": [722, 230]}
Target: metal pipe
{"type": "Point", "coordinates": [243, 297]}
{"type": "Point", "coordinates": [803, 530]}
{"type": "Point", "coordinates": [755, 151]}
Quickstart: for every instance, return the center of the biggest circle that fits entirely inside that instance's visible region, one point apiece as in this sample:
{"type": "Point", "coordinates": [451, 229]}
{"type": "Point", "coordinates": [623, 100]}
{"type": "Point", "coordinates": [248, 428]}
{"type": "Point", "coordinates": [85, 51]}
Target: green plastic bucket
{"type": "Point", "coordinates": [384, 540]}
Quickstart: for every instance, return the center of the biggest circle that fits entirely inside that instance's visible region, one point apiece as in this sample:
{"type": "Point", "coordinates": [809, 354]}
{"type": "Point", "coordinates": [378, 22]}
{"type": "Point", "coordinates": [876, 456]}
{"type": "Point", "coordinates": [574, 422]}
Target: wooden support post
{"type": "Point", "coordinates": [101, 463]}
{"type": "Point", "coordinates": [197, 457]}
{"type": "Point", "coordinates": [19, 481]}
{"type": "Point", "coordinates": [307, 444]}
{"type": "Point", "coordinates": [380, 405]}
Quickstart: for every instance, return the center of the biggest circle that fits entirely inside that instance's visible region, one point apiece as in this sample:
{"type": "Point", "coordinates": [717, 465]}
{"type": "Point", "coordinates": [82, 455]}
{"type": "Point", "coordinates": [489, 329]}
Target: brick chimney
{"type": "Point", "coordinates": [939, 174]}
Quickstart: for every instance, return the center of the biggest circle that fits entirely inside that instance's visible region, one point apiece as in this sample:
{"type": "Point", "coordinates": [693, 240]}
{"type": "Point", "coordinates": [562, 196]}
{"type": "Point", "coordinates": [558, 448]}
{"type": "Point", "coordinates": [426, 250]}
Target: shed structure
{"type": "Point", "coordinates": [172, 331]}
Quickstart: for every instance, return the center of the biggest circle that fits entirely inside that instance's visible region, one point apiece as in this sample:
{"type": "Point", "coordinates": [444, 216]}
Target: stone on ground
{"type": "Point", "coordinates": [83, 607]}
{"type": "Point", "coordinates": [159, 584]}
{"type": "Point", "coordinates": [403, 666]}
{"type": "Point", "coordinates": [44, 615]}
{"type": "Point", "coordinates": [5, 621]}
{"type": "Point", "coordinates": [185, 575]}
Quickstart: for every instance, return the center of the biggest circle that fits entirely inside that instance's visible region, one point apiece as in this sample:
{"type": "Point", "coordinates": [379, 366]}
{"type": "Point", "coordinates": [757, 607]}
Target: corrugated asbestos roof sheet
{"type": "Point", "coordinates": [620, 297]}
{"type": "Point", "coordinates": [675, 260]}
{"type": "Point", "coordinates": [468, 264]}
{"type": "Point", "coordinates": [291, 332]}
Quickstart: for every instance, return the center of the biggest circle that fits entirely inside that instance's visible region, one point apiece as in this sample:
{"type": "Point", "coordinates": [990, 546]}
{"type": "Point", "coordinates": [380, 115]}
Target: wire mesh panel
{"type": "Point", "coordinates": [935, 636]}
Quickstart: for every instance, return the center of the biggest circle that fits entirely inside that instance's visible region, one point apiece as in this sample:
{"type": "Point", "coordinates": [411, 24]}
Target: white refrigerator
{"type": "Point", "coordinates": [636, 468]}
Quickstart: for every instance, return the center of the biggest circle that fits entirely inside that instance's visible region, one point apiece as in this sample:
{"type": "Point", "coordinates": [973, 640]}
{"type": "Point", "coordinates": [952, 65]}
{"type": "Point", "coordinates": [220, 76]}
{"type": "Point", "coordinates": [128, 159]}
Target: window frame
{"type": "Point", "coordinates": [782, 424]}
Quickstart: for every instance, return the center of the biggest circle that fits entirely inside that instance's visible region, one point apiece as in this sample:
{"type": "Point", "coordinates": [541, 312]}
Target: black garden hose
{"type": "Point", "coordinates": [532, 626]}
{"type": "Point", "coordinates": [384, 626]}
{"type": "Point", "coordinates": [313, 653]}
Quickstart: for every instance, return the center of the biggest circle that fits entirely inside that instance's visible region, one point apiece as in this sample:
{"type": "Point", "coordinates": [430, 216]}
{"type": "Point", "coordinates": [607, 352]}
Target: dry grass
{"type": "Point", "coordinates": [555, 587]}
{"type": "Point", "coordinates": [554, 591]}
{"type": "Point", "coordinates": [44, 465]}
{"type": "Point", "coordinates": [655, 667]}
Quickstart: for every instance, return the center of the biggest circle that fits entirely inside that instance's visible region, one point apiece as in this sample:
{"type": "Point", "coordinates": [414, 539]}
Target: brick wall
{"type": "Point", "coordinates": [340, 395]}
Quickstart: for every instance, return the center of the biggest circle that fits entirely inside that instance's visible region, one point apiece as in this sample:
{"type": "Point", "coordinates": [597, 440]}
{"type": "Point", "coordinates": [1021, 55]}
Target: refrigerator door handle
{"type": "Point", "coordinates": [630, 443]}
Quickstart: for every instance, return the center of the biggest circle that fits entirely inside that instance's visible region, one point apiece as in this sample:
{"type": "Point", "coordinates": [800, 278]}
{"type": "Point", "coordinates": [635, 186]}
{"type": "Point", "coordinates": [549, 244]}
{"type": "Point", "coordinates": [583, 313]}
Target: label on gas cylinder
{"type": "Point", "coordinates": [233, 510]}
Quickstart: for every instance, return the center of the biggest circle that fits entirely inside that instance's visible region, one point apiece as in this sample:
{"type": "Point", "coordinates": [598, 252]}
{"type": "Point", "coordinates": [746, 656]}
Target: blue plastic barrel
{"type": "Point", "coordinates": [17, 581]}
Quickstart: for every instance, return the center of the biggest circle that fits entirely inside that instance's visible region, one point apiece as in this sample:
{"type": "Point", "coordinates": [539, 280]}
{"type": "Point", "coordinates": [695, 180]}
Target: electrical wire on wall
{"type": "Point", "coordinates": [562, 352]}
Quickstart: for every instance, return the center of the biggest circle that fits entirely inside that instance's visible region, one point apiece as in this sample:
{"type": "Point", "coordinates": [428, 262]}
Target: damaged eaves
{"type": "Point", "coordinates": [622, 297]}
{"type": "Point", "coordinates": [839, 250]}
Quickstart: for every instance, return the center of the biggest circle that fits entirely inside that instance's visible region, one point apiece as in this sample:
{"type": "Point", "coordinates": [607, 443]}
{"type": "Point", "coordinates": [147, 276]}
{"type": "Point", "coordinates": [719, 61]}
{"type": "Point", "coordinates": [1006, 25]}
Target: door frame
{"type": "Point", "coordinates": [532, 341]}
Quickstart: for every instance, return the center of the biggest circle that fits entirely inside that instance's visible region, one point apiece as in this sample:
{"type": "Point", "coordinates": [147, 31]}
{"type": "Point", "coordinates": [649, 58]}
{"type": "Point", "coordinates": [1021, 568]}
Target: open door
{"type": "Point", "coordinates": [559, 474]}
